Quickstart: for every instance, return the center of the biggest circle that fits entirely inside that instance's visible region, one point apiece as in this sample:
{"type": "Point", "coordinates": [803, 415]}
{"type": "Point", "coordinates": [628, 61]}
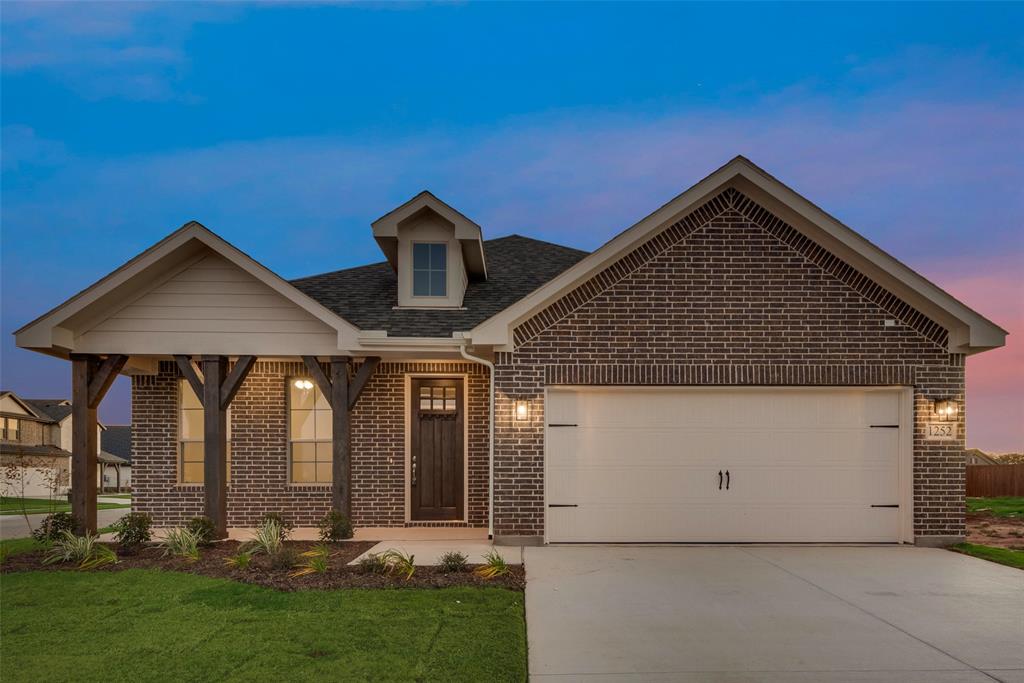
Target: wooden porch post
{"type": "Point", "coordinates": [215, 391]}
{"type": "Point", "coordinates": [91, 378]}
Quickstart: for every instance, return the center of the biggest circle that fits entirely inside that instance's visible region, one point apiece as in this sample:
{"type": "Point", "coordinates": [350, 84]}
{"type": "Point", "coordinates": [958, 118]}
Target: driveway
{"type": "Point", "coordinates": [758, 613]}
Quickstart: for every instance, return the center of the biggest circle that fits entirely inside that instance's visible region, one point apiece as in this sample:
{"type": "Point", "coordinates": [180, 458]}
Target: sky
{"type": "Point", "coordinates": [288, 128]}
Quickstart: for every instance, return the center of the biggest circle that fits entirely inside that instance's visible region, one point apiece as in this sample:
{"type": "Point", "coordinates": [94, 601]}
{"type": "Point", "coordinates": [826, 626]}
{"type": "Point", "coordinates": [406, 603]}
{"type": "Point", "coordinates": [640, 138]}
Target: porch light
{"type": "Point", "coordinates": [303, 384]}
{"type": "Point", "coordinates": [522, 410]}
{"type": "Point", "coordinates": [946, 408]}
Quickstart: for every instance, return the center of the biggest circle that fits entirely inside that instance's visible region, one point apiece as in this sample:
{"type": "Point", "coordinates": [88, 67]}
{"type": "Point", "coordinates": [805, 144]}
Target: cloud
{"type": "Point", "coordinates": [132, 50]}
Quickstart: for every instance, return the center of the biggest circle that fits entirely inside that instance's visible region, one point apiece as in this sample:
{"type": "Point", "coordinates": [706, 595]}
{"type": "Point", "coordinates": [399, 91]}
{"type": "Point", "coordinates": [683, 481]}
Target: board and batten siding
{"type": "Point", "coordinates": [211, 307]}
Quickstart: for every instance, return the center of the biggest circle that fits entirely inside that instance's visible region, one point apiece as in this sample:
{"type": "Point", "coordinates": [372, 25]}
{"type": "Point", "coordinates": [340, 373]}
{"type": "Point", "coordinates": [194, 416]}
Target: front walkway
{"type": "Point", "coordinates": [772, 614]}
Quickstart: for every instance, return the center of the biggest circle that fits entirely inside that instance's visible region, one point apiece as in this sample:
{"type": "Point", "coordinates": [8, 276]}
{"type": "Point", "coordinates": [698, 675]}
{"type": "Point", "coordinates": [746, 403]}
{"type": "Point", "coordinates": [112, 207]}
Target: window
{"type": "Point", "coordinates": [12, 427]}
{"type": "Point", "coordinates": [437, 399]}
{"type": "Point", "coordinates": [309, 432]}
{"type": "Point", "coordinates": [429, 269]}
{"type": "Point", "coordinates": [190, 437]}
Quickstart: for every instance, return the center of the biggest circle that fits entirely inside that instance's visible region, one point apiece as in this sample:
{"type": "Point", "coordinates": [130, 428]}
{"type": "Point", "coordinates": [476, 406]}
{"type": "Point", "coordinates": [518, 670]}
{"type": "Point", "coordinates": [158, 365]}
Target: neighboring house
{"type": "Point", "coordinates": [737, 366]}
{"type": "Point", "coordinates": [35, 451]}
{"type": "Point", "coordinates": [116, 470]}
{"type": "Point", "coordinates": [978, 457]}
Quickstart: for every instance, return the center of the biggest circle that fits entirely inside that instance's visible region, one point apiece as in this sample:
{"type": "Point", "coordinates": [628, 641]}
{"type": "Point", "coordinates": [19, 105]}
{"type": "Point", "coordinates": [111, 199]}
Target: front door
{"type": "Point", "coordinates": [436, 462]}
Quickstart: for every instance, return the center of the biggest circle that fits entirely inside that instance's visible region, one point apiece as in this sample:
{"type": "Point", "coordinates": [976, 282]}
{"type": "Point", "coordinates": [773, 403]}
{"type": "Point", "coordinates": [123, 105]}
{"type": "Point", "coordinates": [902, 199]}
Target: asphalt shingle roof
{"type": "Point", "coordinates": [117, 440]}
{"type": "Point", "coordinates": [366, 296]}
{"type": "Point", "coordinates": [49, 407]}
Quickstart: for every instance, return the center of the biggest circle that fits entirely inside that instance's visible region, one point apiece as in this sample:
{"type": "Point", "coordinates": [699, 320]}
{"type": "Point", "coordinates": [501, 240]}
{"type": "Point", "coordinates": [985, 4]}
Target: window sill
{"type": "Point", "coordinates": [309, 485]}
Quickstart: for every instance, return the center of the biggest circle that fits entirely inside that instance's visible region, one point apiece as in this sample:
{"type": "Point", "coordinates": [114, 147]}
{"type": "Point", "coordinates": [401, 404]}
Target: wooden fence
{"type": "Point", "coordinates": [985, 481]}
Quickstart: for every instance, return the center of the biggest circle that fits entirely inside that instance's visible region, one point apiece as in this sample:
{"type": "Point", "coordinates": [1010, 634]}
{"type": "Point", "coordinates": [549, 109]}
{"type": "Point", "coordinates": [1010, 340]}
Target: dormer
{"type": "Point", "coordinates": [434, 250]}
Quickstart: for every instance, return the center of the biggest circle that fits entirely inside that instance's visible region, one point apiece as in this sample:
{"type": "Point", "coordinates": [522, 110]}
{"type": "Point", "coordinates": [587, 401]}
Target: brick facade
{"type": "Point", "coordinates": [728, 295]}
{"type": "Point", "coordinates": [259, 449]}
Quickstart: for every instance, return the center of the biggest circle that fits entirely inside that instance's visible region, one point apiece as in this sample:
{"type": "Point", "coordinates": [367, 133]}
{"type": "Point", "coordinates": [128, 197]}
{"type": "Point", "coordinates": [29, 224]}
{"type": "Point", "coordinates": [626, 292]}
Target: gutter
{"type": "Point", "coordinates": [490, 440]}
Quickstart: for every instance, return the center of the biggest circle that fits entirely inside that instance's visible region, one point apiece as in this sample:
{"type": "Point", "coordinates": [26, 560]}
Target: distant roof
{"type": "Point", "coordinates": [117, 440]}
{"type": "Point", "coordinates": [54, 408]}
{"type": "Point", "coordinates": [365, 296]}
{"type": "Point", "coordinates": [14, 448]}
{"type": "Point", "coordinates": [111, 459]}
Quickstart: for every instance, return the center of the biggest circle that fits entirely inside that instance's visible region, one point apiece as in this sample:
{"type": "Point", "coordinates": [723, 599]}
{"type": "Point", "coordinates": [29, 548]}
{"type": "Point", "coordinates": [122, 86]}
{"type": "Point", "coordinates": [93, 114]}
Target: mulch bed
{"type": "Point", "coordinates": [260, 572]}
{"type": "Point", "coordinates": [1001, 532]}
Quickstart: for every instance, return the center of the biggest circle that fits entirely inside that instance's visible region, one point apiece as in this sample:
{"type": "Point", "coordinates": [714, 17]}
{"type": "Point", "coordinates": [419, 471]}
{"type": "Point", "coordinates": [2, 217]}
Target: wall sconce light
{"type": "Point", "coordinates": [946, 408]}
{"type": "Point", "coordinates": [522, 410]}
{"type": "Point", "coordinates": [303, 384]}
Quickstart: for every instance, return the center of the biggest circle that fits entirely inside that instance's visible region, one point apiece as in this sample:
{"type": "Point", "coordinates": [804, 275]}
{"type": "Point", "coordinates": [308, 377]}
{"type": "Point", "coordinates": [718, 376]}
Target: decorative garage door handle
{"type": "Point", "coordinates": [719, 480]}
{"type": "Point", "coordinates": [414, 470]}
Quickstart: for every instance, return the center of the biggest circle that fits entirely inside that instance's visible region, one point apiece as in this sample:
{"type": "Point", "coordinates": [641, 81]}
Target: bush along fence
{"type": "Point", "coordinates": [986, 481]}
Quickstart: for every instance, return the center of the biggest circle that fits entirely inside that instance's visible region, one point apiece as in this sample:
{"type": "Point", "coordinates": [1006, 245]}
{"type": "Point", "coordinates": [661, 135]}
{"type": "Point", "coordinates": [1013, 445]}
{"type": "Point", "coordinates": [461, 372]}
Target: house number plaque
{"type": "Point", "coordinates": [940, 431]}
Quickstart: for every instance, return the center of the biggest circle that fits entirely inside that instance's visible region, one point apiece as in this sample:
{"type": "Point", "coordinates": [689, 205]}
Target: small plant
{"type": "Point", "coordinates": [202, 527]}
{"type": "Point", "coordinates": [240, 560]}
{"type": "Point", "coordinates": [53, 526]}
{"type": "Point", "coordinates": [494, 565]}
{"type": "Point", "coordinates": [317, 561]}
{"type": "Point", "coordinates": [285, 525]}
{"type": "Point", "coordinates": [452, 562]}
{"type": "Point", "coordinates": [181, 543]}
{"type": "Point", "coordinates": [133, 531]}
{"type": "Point", "coordinates": [85, 550]}
{"type": "Point", "coordinates": [285, 558]}
{"type": "Point", "coordinates": [268, 538]}
{"type": "Point", "coordinates": [335, 526]}
{"type": "Point", "coordinates": [399, 563]}
{"type": "Point", "coordinates": [373, 564]}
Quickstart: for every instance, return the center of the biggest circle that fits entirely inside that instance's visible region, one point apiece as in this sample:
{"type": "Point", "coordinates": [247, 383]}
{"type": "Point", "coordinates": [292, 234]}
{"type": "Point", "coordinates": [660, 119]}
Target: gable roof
{"type": "Point", "coordinates": [54, 408]}
{"type": "Point", "coordinates": [366, 295]}
{"type": "Point", "coordinates": [117, 440]}
{"type": "Point", "coordinates": [969, 331]}
{"type": "Point", "coordinates": [48, 333]}
{"type": "Point", "coordinates": [32, 413]}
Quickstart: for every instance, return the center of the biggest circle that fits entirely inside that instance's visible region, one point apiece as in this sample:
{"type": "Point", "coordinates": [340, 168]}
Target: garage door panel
{"type": "Point", "coordinates": [802, 465]}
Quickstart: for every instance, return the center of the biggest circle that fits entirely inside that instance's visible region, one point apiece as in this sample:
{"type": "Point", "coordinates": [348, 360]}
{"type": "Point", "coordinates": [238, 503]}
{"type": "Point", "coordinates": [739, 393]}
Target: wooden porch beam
{"type": "Point", "coordinates": [341, 441]}
{"type": "Point", "coordinates": [103, 377]}
{"type": "Point", "coordinates": [188, 371]}
{"type": "Point", "coordinates": [317, 373]}
{"type": "Point", "coordinates": [361, 379]}
{"type": "Point", "coordinates": [215, 444]}
{"type": "Point", "coordinates": [234, 380]}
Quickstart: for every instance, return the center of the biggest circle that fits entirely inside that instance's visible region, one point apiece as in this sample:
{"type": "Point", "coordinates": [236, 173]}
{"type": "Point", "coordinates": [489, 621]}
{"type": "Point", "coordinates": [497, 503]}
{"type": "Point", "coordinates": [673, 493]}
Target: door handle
{"type": "Point", "coordinates": [727, 480]}
{"type": "Point", "coordinates": [719, 480]}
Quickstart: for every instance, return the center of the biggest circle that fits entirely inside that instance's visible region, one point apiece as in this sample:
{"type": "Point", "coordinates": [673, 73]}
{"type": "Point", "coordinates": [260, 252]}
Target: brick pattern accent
{"type": "Point", "coordinates": [728, 295]}
{"type": "Point", "coordinates": [259, 449]}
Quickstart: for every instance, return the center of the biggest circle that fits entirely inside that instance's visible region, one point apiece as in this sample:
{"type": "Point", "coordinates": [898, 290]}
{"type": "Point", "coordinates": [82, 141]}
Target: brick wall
{"type": "Point", "coordinates": [728, 295]}
{"type": "Point", "coordinates": [259, 462]}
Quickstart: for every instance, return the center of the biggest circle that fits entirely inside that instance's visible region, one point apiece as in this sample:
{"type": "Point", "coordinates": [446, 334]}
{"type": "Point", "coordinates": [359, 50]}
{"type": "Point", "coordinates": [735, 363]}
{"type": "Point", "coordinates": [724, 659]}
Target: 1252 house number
{"type": "Point", "coordinates": [940, 431]}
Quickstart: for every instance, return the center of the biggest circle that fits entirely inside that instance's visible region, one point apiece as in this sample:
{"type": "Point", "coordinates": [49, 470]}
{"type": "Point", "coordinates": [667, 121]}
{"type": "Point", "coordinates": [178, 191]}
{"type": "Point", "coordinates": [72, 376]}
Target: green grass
{"type": "Point", "coordinates": [1007, 506]}
{"type": "Point", "coordinates": [17, 546]}
{"type": "Point", "coordinates": [1011, 558]}
{"type": "Point", "coordinates": [176, 626]}
{"type": "Point", "coordinates": [37, 506]}
{"type": "Point", "coordinates": [115, 495]}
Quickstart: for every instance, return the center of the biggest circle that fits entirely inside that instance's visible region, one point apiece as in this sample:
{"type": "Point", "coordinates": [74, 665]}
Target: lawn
{"type": "Point", "coordinates": [1011, 558]}
{"type": "Point", "coordinates": [177, 626]}
{"type": "Point", "coordinates": [1008, 506]}
{"type": "Point", "coordinates": [35, 506]}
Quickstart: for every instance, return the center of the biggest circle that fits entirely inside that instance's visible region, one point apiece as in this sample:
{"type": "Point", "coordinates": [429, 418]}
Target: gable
{"type": "Point", "coordinates": [11, 406]}
{"type": "Point", "coordinates": [210, 306]}
{"type": "Point", "coordinates": [722, 286]}
{"type": "Point", "coordinates": [966, 330]}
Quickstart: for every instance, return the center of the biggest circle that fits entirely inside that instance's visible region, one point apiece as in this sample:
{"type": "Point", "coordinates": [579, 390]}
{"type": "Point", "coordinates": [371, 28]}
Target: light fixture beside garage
{"type": "Point", "coordinates": [522, 410]}
{"type": "Point", "coordinates": [946, 408]}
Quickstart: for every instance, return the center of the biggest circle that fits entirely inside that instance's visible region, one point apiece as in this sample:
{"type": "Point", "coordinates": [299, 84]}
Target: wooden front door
{"type": "Point", "coordinates": [436, 463]}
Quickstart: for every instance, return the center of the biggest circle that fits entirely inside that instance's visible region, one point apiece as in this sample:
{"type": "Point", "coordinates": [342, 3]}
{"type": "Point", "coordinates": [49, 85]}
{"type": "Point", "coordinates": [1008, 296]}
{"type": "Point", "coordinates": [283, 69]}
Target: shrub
{"type": "Point", "coordinates": [494, 565]}
{"type": "Point", "coordinates": [181, 543]}
{"type": "Point", "coordinates": [335, 526]}
{"type": "Point", "coordinates": [240, 560]}
{"type": "Point", "coordinates": [453, 561]}
{"type": "Point", "coordinates": [132, 531]}
{"type": "Point", "coordinates": [202, 527]}
{"type": "Point", "coordinates": [317, 561]}
{"type": "Point", "coordinates": [285, 558]}
{"type": "Point", "coordinates": [373, 564]}
{"type": "Point", "coordinates": [268, 538]}
{"type": "Point", "coordinates": [53, 526]}
{"type": "Point", "coordinates": [85, 550]}
{"type": "Point", "coordinates": [400, 563]}
{"type": "Point", "coordinates": [286, 526]}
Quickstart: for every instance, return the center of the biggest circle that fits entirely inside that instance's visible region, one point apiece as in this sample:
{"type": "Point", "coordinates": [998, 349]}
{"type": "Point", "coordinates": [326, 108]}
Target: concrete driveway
{"type": "Point", "coordinates": [801, 614]}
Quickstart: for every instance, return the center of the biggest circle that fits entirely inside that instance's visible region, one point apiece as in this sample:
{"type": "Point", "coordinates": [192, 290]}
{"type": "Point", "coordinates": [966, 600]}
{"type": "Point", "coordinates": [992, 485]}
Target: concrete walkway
{"type": "Point", "coordinates": [426, 553]}
{"type": "Point", "coordinates": [774, 614]}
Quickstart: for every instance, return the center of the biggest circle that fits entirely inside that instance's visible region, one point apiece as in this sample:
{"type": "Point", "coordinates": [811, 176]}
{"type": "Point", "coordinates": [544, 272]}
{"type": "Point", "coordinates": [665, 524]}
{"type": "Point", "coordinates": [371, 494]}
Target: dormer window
{"type": "Point", "coordinates": [430, 269]}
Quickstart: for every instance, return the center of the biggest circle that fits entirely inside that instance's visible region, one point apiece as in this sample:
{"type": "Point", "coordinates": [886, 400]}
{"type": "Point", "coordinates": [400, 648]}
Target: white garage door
{"type": "Point", "coordinates": [723, 465]}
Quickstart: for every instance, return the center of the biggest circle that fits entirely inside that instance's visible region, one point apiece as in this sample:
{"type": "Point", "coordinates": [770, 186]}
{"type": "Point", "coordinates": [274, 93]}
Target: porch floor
{"type": "Point", "coordinates": [427, 553]}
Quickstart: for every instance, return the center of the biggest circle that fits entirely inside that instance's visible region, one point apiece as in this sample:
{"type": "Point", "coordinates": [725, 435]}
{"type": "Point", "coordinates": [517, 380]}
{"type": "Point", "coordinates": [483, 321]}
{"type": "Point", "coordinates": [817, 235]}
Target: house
{"type": "Point", "coordinates": [35, 451]}
{"type": "Point", "coordinates": [737, 366]}
{"type": "Point", "coordinates": [116, 469]}
{"type": "Point", "coordinates": [976, 456]}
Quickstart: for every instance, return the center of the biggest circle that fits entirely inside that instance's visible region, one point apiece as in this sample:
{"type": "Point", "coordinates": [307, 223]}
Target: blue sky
{"type": "Point", "coordinates": [284, 125]}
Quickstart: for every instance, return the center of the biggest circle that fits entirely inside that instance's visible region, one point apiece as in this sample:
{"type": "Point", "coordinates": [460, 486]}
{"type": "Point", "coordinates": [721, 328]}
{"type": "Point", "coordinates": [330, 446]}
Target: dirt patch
{"type": "Point", "coordinates": [1001, 532]}
{"type": "Point", "coordinates": [212, 562]}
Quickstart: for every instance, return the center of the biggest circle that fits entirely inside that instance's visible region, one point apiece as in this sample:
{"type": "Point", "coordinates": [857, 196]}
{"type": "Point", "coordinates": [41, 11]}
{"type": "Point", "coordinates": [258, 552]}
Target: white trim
{"type": "Point", "coordinates": [407, 410]}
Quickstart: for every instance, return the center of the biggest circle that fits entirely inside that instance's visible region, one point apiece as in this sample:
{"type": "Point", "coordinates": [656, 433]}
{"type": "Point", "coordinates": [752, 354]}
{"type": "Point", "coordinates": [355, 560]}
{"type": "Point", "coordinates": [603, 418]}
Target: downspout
{"type": "Point", "coordinates": [490, 439]}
